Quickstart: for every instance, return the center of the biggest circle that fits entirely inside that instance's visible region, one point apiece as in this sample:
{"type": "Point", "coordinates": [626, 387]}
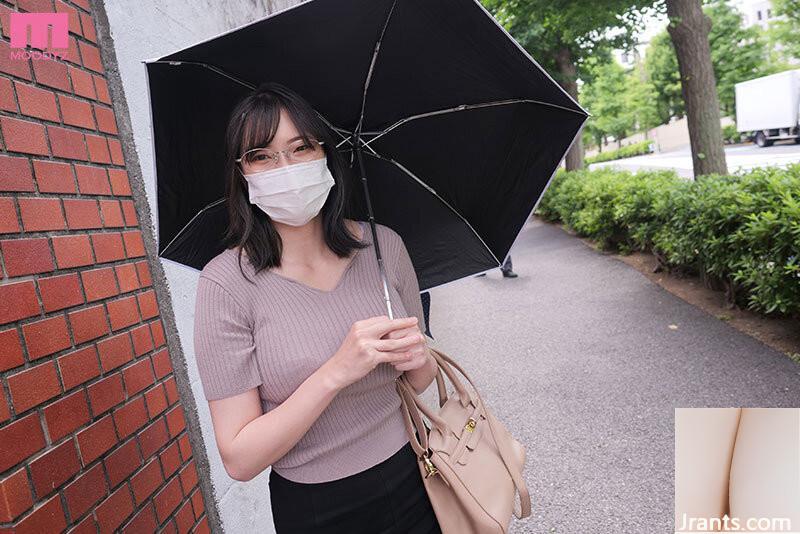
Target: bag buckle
{"type": "Point", "coordinates": [429, 467]}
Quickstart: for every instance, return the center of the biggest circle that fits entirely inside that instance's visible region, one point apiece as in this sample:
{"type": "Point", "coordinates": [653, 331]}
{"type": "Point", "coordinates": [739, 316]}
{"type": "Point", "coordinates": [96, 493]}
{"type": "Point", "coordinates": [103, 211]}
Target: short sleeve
{"type": "Point", "coordinates": [407, 282]}
{"type": "Point", "coordinates": [224, 345]}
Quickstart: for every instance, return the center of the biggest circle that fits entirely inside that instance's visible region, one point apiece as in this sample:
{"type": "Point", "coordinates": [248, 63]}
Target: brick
{"type": "Point", "coordinates": [86, 491]}
{"type": "Point", "coordinates": [87, 526]}
{"type": "Point", "coordinates": [27, 256]}
{"type": "Point", "coordinates": [122, 462]}
{"type": "Point", "coordinates": [49, 517]}
{"type": "Point", "coordinates": [7, 100]}
{"type": "Point", "coordinates": [33, 386]}
{"type": "Point", "coordinates": [12, 66]}
{"type": "Point", "coordinates": [98, 149]}
{"type": "Point", "coordinates": [82, 83]}
{"type": "Point", "coordinates": [156, 401]}
{"type": "Point", "coordinates": [158, 330]}
{"type": "Point", "coordinates": [153, 437]}
{"type": "Point", "coordinates": [18, 301]}
{"type": "Point", "coordinates": [133, 243]}
{"type": "Point", "coordinates": [92, 180]}
{"type": "Point", "coordinates": [36, 102]}
{"type": "Point", "coordinates": [142, 341]}
{"type": "Point", "coordinates": [66, 415]}
{"type": "Point", "coordinates": [143, 521]}
{"type": "Point", "coordinates": [115, 149]}
{"type": "Point", "coordinates": [41, 214]}
{"type": "Point", "coordinates": [129, 212]}
{"type": "Point", "coordinates": [72, 16]}
{"type": "Point", "coordinates": [108, 247]}
{"type": "Point", "coordinates": [111, 213]}
{"type": "Point", "coordinates": [167, 500]}
{"type": "Point", "coordinates": [184, 518]}
{"type": "Point", "coordinates": [91, 57]}
{"type": "Point", "coordinates": [171, 389]}
{"type": "Point", "coordinates": [120, 184]}
{"type": "Point", "coordinates": [106, 393]}
{"type": "Point", "coordinates": [8, 216]}
{"type": "Point", "coordinates": [146, 481]}
{"type": "Point", "coordinates": [15, 174]}
{"type": "Point", "coordinates": [72, 251]}
{"type": "Point", "coordinates": [88, 323]}
{"type": "Point", "coordinates": [197, 504]}
{"type": "Point", "coordinates": [188, 476]}
{"type": "Point", "coordinates": [79, 367]}
{"type": "Point", "coordinates": [130, 417]}
{"type": "Point", "coordinates": [46, 336]}
{"type": "Point", "coordinates": [99, 283]}
{"type": "Point", "coordinates": [54, 467]}
{"type": "Point", "coordinates": [138, 377]}
{"type": "Point", "coordinates": [96, 439]}
{"type": "Point", "coordinates": [10, 350]}
{"type": "Point", "coordinates": [114, 510]}
{"type": "Point", "coordinates": [54, 177]}
{"type": "Point", "coordinates": [148, 304]}
{"type": "Point", "coordinates": [176, 423]}
{"type": "Point", "coordinates": [76, 112]}
{"type": "Point", "coordinates": [15, 496]}
{"type": "Point", "coordinates": [123, 312]}
{"type": "Point", "coordinates": [52, 74]}
{"type": "Point", "coordinates": [126, 275]}
{"type": "Point", "coordinates": [184, 446]}
{"type": "Point", "coordinates": [101, 88]}
{"type": "Point", "coordinates": [59, 292]}
{"type": "Point", "coordinates": [24, 136]}
{"type": "Point", "coordinates": [115, 351]}
{"type": "Point", "coordinates": [105, 119]}
{"type": "Point", "coordinates": [88, 27]}
{"type": "Point", "coordinates": [170, 459]}
{"type": "Point", "coordinates": [202, 527]}
{"type": "Point", "coordinates": [82, 214]}
{"type": "Point", "coordinates": [20, 439]}
{"type": "Point", "coordinates": [161, 364]}
{"type": "Point", "coordinates": [67, 143]}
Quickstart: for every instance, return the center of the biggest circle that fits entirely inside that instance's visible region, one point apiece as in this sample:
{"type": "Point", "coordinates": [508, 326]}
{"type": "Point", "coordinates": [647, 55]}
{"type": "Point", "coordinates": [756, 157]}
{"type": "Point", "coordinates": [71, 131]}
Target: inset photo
{"type": "Point", "coordinates": [737, 470]}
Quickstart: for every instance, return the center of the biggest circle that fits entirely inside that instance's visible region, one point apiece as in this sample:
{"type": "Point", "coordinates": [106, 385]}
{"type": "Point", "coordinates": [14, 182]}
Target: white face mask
{"type": "Point", "coordinates": [292, 194]}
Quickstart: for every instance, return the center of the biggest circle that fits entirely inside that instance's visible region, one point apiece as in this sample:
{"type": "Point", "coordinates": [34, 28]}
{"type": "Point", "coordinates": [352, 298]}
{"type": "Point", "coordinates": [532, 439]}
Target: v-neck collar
{"type": "Point", "coordinates": [342, 278]}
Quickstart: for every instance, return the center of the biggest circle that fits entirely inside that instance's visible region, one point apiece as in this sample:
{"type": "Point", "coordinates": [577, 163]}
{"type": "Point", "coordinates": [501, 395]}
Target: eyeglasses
{"type": "Point", "coordinates": [262, 159]}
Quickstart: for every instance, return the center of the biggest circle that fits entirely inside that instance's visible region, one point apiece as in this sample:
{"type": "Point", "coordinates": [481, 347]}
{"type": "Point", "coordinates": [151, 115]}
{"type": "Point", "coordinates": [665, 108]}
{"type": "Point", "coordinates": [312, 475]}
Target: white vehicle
{"type": "Point", "coordinates": [768, 108]}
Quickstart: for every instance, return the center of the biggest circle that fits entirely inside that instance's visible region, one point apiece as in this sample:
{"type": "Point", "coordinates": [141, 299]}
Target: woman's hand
{"type": "Point", "coordinates": [418, 354]}
{"type": "Point", "coordinates": [366, 345]}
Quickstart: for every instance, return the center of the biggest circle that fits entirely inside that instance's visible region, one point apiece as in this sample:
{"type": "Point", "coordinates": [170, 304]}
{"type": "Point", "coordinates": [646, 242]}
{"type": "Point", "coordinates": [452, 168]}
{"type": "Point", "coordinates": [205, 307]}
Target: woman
{"type": "Point", "coordinates": [296, 356]}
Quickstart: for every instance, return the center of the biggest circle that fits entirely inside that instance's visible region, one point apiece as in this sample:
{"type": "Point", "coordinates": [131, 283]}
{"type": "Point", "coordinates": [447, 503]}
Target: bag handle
{"type": "Point", "coordinates": [502, 446]}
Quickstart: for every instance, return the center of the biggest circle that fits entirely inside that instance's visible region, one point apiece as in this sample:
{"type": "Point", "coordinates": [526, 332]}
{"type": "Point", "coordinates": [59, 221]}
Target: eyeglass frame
{"type": "Point", "coordinates": [276, 152]}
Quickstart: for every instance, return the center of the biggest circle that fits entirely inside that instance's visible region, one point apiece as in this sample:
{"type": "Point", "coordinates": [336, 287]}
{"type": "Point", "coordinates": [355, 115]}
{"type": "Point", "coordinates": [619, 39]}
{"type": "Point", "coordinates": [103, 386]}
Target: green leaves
{"type": "Point", "coordinates": [742, 231]}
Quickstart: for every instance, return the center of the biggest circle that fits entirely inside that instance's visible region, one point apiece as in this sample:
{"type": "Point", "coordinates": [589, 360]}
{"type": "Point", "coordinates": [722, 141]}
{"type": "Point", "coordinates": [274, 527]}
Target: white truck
{"type": "Point", "coordinates": [768, 108]}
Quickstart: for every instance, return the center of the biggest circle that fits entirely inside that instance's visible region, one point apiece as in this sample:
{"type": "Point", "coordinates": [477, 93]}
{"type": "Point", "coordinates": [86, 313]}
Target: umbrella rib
{"type": "Point", "coordinates": [443, 201]}
{"type": "Point", "coordinates": [372, 66]}
{"type": "Point", "coordinates": [463, 107]}
{"type": "Point", "coordinates": [248, 85]}
{"type": "Point", "coordinates": [196, 215]}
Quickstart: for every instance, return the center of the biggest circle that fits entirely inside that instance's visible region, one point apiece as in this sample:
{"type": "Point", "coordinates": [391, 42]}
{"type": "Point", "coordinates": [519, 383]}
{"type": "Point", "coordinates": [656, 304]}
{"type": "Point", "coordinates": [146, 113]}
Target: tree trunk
{"type": "Point", "coordinates": [689, 28]}
{"type": "Point", "coordinates": [569, 75]}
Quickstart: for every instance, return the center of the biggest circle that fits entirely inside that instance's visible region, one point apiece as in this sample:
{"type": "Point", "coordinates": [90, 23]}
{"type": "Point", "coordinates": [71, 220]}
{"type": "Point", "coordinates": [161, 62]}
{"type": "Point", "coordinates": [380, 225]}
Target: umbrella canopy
{"type": "Point", "coordinates": [456, 128]}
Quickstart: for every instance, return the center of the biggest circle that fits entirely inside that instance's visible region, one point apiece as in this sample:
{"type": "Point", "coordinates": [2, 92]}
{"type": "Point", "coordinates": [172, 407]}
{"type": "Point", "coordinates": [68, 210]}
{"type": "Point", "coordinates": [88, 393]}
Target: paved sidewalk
{"type": "Point", "coordinates": [577, 356]}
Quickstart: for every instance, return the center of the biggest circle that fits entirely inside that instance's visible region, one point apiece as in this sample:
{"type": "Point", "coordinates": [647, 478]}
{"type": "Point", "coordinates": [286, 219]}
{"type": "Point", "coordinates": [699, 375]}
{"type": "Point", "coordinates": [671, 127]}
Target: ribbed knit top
{"type": "Point", "coordinates": [276, 333]}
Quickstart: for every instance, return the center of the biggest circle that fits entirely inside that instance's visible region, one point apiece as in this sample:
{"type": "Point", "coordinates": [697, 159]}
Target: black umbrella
{"type": "Point", "coordinates": [454, 127]}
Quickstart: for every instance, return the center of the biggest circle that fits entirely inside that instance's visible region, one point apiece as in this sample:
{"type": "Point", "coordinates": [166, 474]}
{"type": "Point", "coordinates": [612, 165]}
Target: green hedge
{"type": "Point", "coordinates": [628, 151]}
{"type": "Point", "coordinates": [741, 233]}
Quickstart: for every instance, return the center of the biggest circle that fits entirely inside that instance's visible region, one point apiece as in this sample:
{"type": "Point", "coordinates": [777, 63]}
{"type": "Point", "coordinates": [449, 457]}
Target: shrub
{"type": "Point", "coordinates": [739, 232]}
{"type": "Point", "coordinates": [730, 135]}
{"type": "Point", "coordinates": [628, 151]}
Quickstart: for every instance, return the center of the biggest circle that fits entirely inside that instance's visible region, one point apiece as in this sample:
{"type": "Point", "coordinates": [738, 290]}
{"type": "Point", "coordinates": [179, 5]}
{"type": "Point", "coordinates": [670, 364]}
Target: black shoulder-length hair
{"type": "Point", "coordinates": [252, 124]}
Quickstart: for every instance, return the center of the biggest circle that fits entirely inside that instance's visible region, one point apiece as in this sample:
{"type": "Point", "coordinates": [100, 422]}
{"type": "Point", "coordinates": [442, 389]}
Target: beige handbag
{"type": "Point", "coordinates": [471, 465]}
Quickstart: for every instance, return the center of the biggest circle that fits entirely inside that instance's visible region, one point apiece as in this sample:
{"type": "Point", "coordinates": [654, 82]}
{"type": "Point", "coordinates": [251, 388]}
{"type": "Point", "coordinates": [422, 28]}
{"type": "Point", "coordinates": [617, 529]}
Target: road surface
{"type": "Point", "coordinates": [578, 358]}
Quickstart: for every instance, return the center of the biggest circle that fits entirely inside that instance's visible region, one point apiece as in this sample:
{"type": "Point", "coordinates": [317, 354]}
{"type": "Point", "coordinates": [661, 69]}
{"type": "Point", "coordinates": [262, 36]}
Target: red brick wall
{"type": "Point", "coordinates": [92, 432]}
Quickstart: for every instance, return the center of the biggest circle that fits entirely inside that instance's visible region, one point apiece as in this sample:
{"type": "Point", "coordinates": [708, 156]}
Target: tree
{"type": "Point", "coordinates": [562, 34]}
{"type": "Point", "coordinates": [786, 28]}
{"type": "Point", "coordinates": [689, 28]}
{"type": "Point", "coordinates": [661, 66]}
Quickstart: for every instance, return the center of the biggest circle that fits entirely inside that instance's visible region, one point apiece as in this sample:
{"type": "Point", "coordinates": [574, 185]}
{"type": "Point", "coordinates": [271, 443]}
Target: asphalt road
{"type": "Point", "coordinates": [577, 357]}
{"type": "Point", "coordinates": [738, 158]}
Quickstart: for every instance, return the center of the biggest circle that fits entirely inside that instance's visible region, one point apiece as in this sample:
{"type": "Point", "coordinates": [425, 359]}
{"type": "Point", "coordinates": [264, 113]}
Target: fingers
{"type": "Point", "coordinates": [379, 329]}
{"type": "Point", "coordinates": [402, 343]}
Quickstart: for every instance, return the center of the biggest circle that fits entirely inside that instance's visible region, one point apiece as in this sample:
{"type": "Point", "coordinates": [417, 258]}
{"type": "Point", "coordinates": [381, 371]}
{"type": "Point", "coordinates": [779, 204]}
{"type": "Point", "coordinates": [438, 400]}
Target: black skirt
{"type": "Point", "coordinates": [388, 498]}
